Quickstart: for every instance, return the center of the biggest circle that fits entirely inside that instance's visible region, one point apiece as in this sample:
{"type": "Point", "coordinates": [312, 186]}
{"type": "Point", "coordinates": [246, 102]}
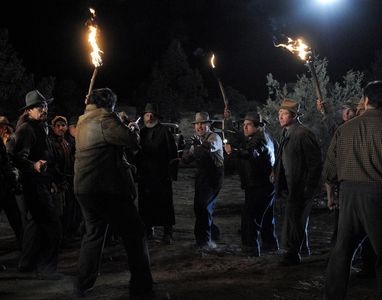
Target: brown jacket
{"type": "Point", "coordinates": [100, 164]}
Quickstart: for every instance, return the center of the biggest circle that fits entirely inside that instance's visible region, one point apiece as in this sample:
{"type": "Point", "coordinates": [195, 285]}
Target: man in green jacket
{"type": "Point", "coordinates": [105, 189]}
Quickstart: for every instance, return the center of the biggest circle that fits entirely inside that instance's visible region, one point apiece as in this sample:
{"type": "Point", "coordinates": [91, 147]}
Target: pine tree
{"type": "Point", "coordinates": [174, 85]}
{"type": "Point", "coordinates": [15, 82]}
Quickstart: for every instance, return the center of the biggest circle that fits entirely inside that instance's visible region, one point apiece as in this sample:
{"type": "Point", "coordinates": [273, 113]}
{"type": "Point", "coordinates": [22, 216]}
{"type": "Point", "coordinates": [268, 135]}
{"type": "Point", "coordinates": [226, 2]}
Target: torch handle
{"type": "Point", "coordinates": [317, 87]}
{"type": "Point", "coordinates": [92, 80]}
{"type": "Point", "coordinates": [223, 94]}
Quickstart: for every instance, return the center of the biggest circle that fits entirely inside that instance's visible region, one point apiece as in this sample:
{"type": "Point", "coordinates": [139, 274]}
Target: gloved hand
{"type": "Point", "coordinates": [195, 141]}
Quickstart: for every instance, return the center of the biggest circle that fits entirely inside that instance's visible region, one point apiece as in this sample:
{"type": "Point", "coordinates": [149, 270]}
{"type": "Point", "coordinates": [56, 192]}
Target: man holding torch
{"type": "Point", "coordinates": [298, 171]}
{"type": "Point", "coordinates": [255, 160]}
{"type": "Point", "coordinates": [105, 190]}
{"type": "Point", "coordinates": [207, 152]}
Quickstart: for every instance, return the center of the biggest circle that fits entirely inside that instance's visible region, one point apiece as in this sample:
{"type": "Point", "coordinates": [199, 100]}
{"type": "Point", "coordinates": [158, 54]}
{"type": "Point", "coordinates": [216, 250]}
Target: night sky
{"type": "Point", "coordinates": [51, 38]}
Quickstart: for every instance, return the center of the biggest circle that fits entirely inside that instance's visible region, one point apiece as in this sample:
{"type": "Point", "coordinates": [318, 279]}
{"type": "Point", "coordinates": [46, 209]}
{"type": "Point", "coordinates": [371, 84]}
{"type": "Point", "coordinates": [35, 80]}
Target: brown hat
{"type": "Point", "coordinates": [290, 105]}
{"type": "Point", "coordinates": [59, 118]}
{"type": "Point", "coordinates": [202, 117]}
{"type": "Point", "coordinates": [255, 117]}
{"type": "Point", "coordinates": [4, 122]}
{"type": "Point", "coordinates": [34, 98]}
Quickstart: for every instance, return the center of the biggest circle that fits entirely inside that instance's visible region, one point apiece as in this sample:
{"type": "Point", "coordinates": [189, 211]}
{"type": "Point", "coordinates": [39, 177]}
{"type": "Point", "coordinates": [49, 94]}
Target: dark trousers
{"type": "Point", "coordinates": [269, 238]}
{"type": "Point", "coordinates": [296, 221]}
{"type": "Point", "coordinates": [72, 215]}
{"type": "Point", "coordinates": [360, 216]}
{"type": "Point", "coordinates": [99, 210]}
{"type": "Point", "coordinates": [43, 229]}
{"type": "Point", "coordinates": [204, 203]}
{"type": "Point", "coordinates": [257, 201]}
{"type": "Point", "coordinates": [9, 204]}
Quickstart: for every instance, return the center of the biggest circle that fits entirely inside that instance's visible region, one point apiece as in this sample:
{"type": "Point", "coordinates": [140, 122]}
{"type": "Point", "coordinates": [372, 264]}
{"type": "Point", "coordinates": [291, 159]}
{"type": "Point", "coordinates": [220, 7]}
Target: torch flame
{"type": "Point", "coordinates": [92, 39]}
{"type": "Point", "coordinates": [297, 47]}
{"type": "Point", "coordinates": [212, 61]}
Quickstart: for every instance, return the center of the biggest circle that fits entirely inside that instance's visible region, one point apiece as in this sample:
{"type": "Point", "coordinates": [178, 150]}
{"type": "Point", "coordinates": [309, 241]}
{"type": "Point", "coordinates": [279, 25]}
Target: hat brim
{"type": "Point", "coordinates": [209, 121]}
{"type": "Point", "coordinates": [290, 110]}
{"type": "Point", "coordinates": [8, 124]}
{"type": "Point", "coordinates": [261, 124]}
{"type": "Point", "coordinates": [157, 115]}
{"type": "Point", "coordinates": [48, 101]}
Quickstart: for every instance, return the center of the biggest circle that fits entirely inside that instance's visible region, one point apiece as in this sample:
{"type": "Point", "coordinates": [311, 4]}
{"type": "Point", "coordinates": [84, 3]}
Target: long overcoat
{"type": "Point", "coordinates": [298, 163]}
{"type": "Point", "coordinates": [156, 171]}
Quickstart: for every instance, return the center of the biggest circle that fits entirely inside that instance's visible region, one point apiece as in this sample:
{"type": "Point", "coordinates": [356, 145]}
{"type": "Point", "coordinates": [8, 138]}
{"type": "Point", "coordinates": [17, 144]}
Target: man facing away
{"type": "Point", "coordinates": [207, 152]}
{"type": "Point", "coordinates": [155, 175]}
{"type": "Point", "coordinates": [298, 171]}
{"type": "Point", "coordinates": [105, 190]}
{"type": "Point", "coordinates": [354, 159]}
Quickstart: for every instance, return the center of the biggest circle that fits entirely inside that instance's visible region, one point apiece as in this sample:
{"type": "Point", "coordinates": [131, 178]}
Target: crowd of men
{"type": "Point", "coordinates": [79, 178]}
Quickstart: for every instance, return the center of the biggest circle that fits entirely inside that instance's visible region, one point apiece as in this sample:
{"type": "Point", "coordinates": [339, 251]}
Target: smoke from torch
{"type": "Point", "coordinates": [95, 54]}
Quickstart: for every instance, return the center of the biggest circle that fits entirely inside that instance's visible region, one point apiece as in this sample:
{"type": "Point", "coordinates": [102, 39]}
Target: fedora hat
{"type": "Point", "coordinates": [255, 117]}
{"type": "Point", "coordinates": [34, 98]}
{"type": "Point", "coordinates": [202, 117]}
{"type": "Point", "coordinates": [291, 105]}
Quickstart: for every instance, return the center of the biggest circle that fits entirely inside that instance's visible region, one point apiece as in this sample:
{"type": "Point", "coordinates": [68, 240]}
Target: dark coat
{"type": "Point", "coordinates": [298, 163]}
{"type": "Point", "coordinates": [31, 145]}
{"type": "Point", "coordinates": [100, 165]}
{"type": "Point", "coordinates": [155, 175]}
{"type": "Point", "coordinates": [255, 160]}
{"type": "Point", "coordinates": [8, 173]}
{"type": "Point", "coordinates": [64, 159]}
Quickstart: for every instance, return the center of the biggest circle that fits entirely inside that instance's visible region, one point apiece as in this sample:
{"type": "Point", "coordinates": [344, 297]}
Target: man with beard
{"type": "Point", "coordinates": [155, 175]}
{"type": "Point", "coordinates": [207, 152]}
{"type": "Point", "coordinates": [104, 187]}
{"type": "Point", "coordinates": [33, 157]}
{"type": "Point", "coordinates": [298, 171]}
{"type": "Point", "coordinates": [255, 160]}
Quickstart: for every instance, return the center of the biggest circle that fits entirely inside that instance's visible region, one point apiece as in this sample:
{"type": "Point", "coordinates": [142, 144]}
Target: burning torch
{"type": "Point", "coordinates": [212, 61]}
{"type": "Point", "coordinates": [95, 54]}
{"type": "Point", "coordinates": [305, 53]}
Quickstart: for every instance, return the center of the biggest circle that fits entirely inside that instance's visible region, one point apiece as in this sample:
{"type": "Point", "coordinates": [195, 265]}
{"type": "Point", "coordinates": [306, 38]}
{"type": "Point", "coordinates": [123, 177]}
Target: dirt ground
{"type": "Point", "coordinates": [183, 273]}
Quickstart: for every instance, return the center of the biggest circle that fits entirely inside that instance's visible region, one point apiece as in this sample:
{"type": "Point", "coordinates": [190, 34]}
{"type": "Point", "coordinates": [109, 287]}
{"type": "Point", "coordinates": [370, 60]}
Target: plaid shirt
{"type": "Point", "coordinates": [355, 152]}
